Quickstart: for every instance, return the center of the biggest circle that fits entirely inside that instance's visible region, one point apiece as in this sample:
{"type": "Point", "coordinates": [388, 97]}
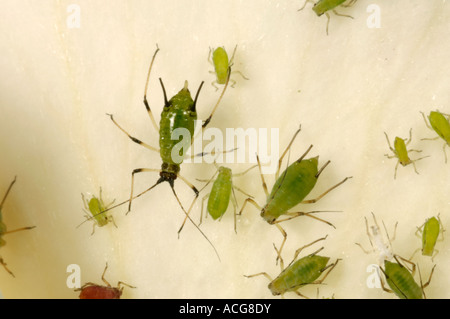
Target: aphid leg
{"type": "Point", "coordinates": [121, 283]}
{"type": "Point", "coordinates": [412, 264]}
{"type": "Point", "coordinates": [196, 192]}
{"type": "Point", "coordinates": [426, 123]}
{"type": "Point", "coordinates": [213, 83]}
{"type": "Point", "coordinates": [140, 170]}
{"type": "Point", "coordinates": [414, 253]}
{"type": "Point", "coordinates": [187, 213]}
{"type": "Point", "coordinates": [280, 160]}
{"type": "Point", "coordinates": [206, 213]}
{"type": "Point", "coordinates": [145, 92]}
{"type": "Point", "coordinates": [445, 154]}
{"type": "Point", "coordinates": [260, 274]}
{"type": "Point", "coordinates": [264, 185]}
{"type": "Point", "coordinates": [93, 228]}
{"type": "Point", "coordinates": [240, 190]}
{"type": "Point", "coordinates": [298, 251]}
{"type": "Point", "coordinates": [240, 73]}
{"type": "Point", "coordinates": [7, 192]}
{"type": "Point", "coordinates": [283, 232]}
{"type": "Point", "coordinates": [395, 170]}
{"type": "Point", "coordinates": [6, 268]}
{"type": "Point", "coordinates": [235, 207]}
{"type": "Point", "coordinates": [18, 229]}
{"type": "Point", "coordinates": [342, 15]}
{"type": "Point", "coordinates": [382, 282]}
{"type": "Point", "coordinates": [300, 295]}
{"type": "Point", "coordinates": [390, 147]}
{"type": "Point", "coordinates": [349, 4]}
{"type": "Point", "coordinates": [318, 198]}
{"type": "Point", "coordinates": [305, 5]}
{"type": "Point", "coordinates": [308, 214]}
{"type": "Point", "coordinates": [331, 267]}
{"type": "Point", "coordinates": [328, 20]}
{"type": "Point", "coordinates": [429, 279]}
{"type": "Point", "coordinates": [251, 201]}
{"type": "Point", "coordinates": [133, 138]}
{"type": "Point", "coordinates": [370, 239]}
{"type": "Point", "coordinates": [103, 276]}
{"type": "Point", "coordinates": [218, 101]}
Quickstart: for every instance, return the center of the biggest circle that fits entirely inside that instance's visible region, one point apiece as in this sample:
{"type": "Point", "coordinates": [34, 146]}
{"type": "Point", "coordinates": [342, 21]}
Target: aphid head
{"type": "Point", "coordinates": [275, 291]}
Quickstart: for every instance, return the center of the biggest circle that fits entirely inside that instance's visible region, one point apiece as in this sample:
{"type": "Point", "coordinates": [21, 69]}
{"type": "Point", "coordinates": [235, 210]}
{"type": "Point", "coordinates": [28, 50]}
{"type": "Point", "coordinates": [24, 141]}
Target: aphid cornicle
{"type": "Point", "coordinates": [222, 191]}
{"type": "Point", "coordinates": [95, 206]}
{"type": "Point", "coordinates": [178, 115]}
{"type": "Point", "coordinates": [3, 229]}
{"type": "Point", "coordinates": [441, 126]}
{"type": "Point", "coordinates": [300, 273]}
{"type": "Point", "coordinates": [290, 189]}
{"type": "Point", "coordinates": [401, 152]}
{"type": "Point", "coordinates": [323, 6]}
{"type": "Point", "coordinates": [93, 291]}
{"type": "Point", "coordinates": [401, 280]}
{"type": "Point", "coordinates": [222, 66]}
{"type": "Point", "coordinates": [430, 231]}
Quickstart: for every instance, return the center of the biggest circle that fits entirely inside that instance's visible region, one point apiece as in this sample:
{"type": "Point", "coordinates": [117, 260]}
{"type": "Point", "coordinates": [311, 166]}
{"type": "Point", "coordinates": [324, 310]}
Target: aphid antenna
{"type": "Point", "coordinates": [7, 192]}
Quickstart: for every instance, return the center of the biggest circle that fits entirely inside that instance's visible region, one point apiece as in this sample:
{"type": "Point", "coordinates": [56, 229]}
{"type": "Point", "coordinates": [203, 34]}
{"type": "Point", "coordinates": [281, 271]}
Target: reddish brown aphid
{"type": "Point", "coordinates": [93, 291]}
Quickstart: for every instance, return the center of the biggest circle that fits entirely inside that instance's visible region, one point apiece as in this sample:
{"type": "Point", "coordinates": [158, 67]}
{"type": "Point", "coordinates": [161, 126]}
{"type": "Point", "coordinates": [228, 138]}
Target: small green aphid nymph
{"type": "Point", "coordinates": [95, 206]}
{"type": "Point", "coordinates": [440, 124]}
{"type": "Point", "coordinates": [430, 232]}
{"type": "Point", "coordinates": [222, 191]}
{"type": "Point", "coordinates": [222, 66]}
{"type": "Point", "coordinates": [323, 6]}
{"type": "Point", "coordinates": [401, 280]}
{"type": "Point", "coordinates": [300, 273]}
{"type": "Point", "coordinates": [401, 152]}
{"type": "Point", "coordinates": [3, 229]}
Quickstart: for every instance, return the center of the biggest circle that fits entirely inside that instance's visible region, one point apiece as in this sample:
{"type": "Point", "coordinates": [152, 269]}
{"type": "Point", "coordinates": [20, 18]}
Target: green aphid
{"type": "Point", "coordinates": [323, 6]}
{"type": "Point", "coordinates": [300, 273]}
{"type": "Point", "coordinates": [401, 280]}
{"type": "Point", "coordinates": [440, 124]}
{"type": "Point", "coordinates": [178, 116]}
{"type": "Point", "coordinates": [95, 206]}
{"type": "Point", "coordinates": [291, 189]}
{"type": "Point", "coordinates": [222, 66]}
{"type": "Point", "coordinates": [3, 228]}
{"type": "Point", "coordinates": [401, 152]}
{"type": "Point", "coordinates": [430, 232]}
{"type": "Point", "coordinates": [222, 191]}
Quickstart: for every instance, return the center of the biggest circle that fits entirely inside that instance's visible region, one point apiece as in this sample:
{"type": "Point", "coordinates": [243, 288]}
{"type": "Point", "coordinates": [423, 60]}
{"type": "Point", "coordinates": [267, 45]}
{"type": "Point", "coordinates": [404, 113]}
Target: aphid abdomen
{"type": "Point", "coordinates": [179, 113]}
{"type": "Point", "coordinates": [291, 188]}
{"type": "Point", "coordinates": [302, 272]}
{"type": "Point", "coordinates": [440, 125]}
{"type": "Point", "coordinates": [219, 198]}
{"type": "Point", "coordinates": [100, 292]}
{"type": "Point", "coordinates": [96, 207]}
{"type": "Point", "coordinates": [430, 234]}
{"type": "Point", "coordinates": [326, 5]}
{"type": "Point", "coordinates": [220, 60]}
{"type": "Point", "coordinates": [401, 281]}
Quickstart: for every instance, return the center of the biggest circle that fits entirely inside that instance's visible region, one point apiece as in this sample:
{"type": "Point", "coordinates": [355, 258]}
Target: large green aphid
{"type": "Point", "coordinates": [324, 6]}
{"type": "Point", "coordinates": [178, 115]}
{"type": "Point", "coordinates": [94, 206]}
{"type": "Point", "coordinates": [440, 124]}
{"type": "Point", "coordinates": [222, 192]}
{"type": "Point", "coordinates": [401, 280]}
{"type": "Point", "coordinates": [222, 66]}
{"type": "Point", "coordinates": [291, 189]}
{"type": "Point", "coordinates": [300, 273]}
{"type": "Point", "coordinates": [3, 228]}
{"type": "Point", "coordinates": [401, 152]}
{"type": "Point", "coordinates": [430, 232]}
